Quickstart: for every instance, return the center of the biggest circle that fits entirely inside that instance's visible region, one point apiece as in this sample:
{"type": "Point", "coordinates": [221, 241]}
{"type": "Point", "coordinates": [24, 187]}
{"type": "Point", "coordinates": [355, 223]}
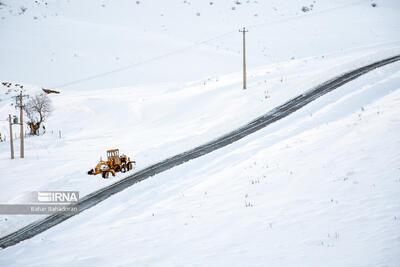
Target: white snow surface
{"type": "Point", "coordinates": [155, 78]}
{"type": "Point", "coordinates": [320, 187]}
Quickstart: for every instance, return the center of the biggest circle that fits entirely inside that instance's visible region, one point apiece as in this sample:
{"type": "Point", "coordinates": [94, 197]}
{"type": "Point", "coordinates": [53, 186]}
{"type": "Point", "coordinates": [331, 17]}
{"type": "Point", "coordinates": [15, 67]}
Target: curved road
{"type": "Point", "coordinates": [259, 123]}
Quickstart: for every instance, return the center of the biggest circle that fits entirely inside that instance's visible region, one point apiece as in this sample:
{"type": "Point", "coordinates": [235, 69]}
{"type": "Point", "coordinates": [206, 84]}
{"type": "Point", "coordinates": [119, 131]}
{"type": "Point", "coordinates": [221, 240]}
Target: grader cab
{"type": "Point", "coordinates": [115, 163]}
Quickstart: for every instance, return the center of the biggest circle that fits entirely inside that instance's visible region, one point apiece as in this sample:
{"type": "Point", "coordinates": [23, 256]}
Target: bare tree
{"type": "Point", "coordinates": [38, 108]}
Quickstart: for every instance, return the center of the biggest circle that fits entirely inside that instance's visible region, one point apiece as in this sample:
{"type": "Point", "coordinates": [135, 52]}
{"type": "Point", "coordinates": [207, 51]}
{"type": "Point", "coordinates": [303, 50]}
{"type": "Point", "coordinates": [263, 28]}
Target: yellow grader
{"type": "Point", "coordinates": [115, 163]}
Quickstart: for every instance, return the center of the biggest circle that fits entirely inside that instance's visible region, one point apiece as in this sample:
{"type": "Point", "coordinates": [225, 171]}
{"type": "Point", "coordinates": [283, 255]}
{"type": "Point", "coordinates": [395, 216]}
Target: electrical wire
{"type": "Point", "coordinates": [142, 62]}
{"type": "Point", "coordinates": [102, 74]}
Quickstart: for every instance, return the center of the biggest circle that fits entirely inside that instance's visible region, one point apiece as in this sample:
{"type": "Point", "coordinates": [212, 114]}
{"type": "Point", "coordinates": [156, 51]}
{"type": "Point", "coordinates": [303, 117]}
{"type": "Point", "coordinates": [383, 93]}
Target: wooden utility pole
{"type": "Point", "coordinates": [21, 118]}
{"type": "Point", "coordinates": [244, 57]}
{"type": "Point", "coordinates": [19, 104]}
{"type": "Point", "coordinates": [11, 137]}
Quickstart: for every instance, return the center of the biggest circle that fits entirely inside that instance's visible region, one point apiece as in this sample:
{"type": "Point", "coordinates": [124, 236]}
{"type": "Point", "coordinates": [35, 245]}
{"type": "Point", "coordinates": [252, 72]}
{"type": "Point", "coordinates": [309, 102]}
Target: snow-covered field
{"type": "Point", "coordinates": [176, 41]}
{"type": "Point", "coordinates": [320, 187]}
{"type": "Point", "coordinates": [155, 78]}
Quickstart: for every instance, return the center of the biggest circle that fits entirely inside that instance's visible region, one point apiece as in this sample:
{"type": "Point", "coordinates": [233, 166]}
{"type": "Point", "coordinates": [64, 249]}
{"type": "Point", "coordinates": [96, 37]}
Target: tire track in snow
{"type": "Point", "coordinates": [275, 114]}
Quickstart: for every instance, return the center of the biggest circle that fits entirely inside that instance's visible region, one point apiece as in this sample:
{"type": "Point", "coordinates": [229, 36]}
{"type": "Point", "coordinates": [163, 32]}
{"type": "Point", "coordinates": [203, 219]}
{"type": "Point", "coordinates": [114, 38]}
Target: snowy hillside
{"type": "Point", "coordinates": [318, 188]}
{"type": "Point", "coordinates": [155, 78]}
{"type": "Point", "coordinates": [59, 42]}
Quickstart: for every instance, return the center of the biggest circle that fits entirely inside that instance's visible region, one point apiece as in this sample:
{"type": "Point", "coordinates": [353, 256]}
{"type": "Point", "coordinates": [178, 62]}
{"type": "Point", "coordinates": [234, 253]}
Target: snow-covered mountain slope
{"type": "Point", "coordinates": [154, 78]}
{"type": "Point", "coordinates": [320, 187]}
{"type": "Point", "coordinates": [148, 124]}
{"type": "Point", "coordinates": [54, 43]}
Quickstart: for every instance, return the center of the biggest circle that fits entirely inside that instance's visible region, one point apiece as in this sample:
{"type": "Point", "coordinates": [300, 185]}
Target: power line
{"type": "Point", "coordinates": [102, 74]}
{"type": "Point", "coordinates": [142, 62]}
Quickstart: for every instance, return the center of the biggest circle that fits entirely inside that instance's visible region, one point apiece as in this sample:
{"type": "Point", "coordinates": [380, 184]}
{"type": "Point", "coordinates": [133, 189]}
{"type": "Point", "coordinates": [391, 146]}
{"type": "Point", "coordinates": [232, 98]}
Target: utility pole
{"type": "Point", "coordinates": [244, 57]}
{"type": "Point", "coordinates": [11, 137]}
{"type": "Point", "coordinates": [21, 119]}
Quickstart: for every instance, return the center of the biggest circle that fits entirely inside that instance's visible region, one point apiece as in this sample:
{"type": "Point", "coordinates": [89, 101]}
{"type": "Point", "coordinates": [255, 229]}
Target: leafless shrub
{"type": "Point", "coordinates": [38, 109]}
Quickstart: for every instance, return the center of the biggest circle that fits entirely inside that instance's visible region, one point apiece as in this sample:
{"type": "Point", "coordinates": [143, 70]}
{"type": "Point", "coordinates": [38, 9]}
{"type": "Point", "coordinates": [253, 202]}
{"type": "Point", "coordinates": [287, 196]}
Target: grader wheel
{"type": "Point", "coordinates": [129, 166]}
{"type": "Point", "coordinates": [105, 175]}
{"type": "Point", "coordinates": [123, 168]}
